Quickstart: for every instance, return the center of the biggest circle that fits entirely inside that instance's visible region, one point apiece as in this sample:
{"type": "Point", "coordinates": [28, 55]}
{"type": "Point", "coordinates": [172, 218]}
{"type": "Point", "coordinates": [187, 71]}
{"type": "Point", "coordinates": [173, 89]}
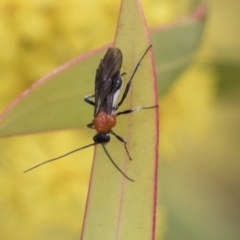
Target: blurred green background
{"type": "Point", "coordinates": [199, 143]}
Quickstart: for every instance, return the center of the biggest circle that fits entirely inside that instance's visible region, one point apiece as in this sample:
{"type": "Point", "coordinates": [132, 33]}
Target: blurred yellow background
{"type": "Point", "coordinates": [200, 133]}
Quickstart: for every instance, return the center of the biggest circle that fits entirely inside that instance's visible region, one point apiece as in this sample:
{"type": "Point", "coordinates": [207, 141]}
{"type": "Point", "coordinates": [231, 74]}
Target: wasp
{"type": "Point", "coordinates": [108, 83]}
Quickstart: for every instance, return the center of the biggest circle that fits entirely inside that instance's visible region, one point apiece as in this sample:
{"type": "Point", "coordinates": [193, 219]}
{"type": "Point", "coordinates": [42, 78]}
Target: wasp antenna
{"type": "Point", "coordinates": [116, 166]}
{"type": "Point", "coordinates": [56, 158]}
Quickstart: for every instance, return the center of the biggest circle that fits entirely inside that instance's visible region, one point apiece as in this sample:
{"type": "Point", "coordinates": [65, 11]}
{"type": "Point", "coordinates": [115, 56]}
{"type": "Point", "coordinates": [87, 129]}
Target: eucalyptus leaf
{"type": "Point", "coordinates": [56, 100]}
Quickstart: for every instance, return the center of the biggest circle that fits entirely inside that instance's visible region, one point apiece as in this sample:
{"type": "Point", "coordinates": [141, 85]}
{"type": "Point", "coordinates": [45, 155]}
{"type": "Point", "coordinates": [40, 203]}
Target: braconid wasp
{"type": "Point", "coordinates": [108, 84]}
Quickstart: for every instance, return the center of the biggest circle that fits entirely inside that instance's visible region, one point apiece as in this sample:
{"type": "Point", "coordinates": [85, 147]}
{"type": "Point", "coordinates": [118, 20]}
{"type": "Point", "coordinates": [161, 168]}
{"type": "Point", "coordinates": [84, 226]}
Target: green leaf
{"type": "Point", "coordinates": [56, 101]}
{"type": "Point", "coordinates": [175, 47]}
{"type": "Point", "coordinates": [117, 208]}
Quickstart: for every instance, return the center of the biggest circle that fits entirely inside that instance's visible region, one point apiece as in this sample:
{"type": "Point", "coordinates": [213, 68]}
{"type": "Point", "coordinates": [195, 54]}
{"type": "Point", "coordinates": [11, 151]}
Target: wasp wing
{"type": "Point", "coordinates": [107, 74]}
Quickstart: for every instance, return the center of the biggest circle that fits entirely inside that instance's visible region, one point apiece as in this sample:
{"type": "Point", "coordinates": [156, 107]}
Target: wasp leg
{"type": "Point", "coordinates": [125, 93]}
{"type": "Point", "coordinates": [90, 125]}
{"type": "Point", "coordinates": [124, 142]}
{"type": "Point", "coordinates": [86, 99]}
{"type": "Point", "coordinates": [135, 110]}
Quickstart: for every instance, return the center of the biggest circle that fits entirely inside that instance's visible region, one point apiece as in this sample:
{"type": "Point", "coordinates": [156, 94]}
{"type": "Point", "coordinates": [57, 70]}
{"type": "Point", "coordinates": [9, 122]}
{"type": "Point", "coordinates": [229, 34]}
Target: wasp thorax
{"type": "Point", "coordinates": [103, 123]}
